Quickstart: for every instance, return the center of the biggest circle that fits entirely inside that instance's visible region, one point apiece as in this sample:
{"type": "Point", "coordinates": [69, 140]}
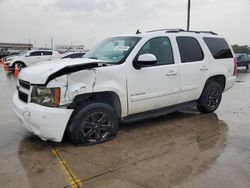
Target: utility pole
{"type": "Point", "coordinates": [188, 15]}
{"type": "Point", "coordinates": [52, 46]}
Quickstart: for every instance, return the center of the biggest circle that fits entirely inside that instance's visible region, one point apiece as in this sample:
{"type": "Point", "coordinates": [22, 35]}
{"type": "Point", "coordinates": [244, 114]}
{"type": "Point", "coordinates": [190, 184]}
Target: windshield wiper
{"type": "Point", "coordinates": [92, 57]}
{"type": "Point", "coordinates": [105, 62]}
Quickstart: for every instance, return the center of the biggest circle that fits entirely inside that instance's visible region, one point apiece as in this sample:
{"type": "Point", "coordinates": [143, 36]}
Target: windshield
{"type": "Point", "coordinates": [22, 53]}
{"type": "Point", "coordinates": [113, 50]}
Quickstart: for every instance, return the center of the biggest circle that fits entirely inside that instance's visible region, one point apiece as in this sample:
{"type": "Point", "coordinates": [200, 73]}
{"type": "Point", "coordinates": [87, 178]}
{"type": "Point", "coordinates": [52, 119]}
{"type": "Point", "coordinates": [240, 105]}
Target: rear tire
{"type": "Point", "coordinates": [210, 98]}
{"type": "Point", "coordinates": [93, 123]}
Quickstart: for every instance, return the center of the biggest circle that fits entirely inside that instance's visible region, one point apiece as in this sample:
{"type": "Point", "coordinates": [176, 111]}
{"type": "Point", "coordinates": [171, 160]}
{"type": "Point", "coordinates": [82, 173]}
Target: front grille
{"type": "Point", "coordinates": [24, 84]}
{"type": "Point", "coordinates": [23, 96]}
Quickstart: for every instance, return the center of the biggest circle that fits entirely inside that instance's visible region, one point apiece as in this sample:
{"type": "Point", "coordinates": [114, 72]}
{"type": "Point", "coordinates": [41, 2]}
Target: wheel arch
{"type": "Point", "coordinates": [108, 97]}
{"type": "Point", "coordinates": [18, 61]}
{"type": "Point", "coordinates": [220, 78]}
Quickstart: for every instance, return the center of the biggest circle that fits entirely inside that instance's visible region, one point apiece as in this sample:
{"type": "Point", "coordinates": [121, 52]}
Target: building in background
{"type": "Point", "coordinates": [15, 46]}
{"type": "Point", "coordinates": [70, 48]}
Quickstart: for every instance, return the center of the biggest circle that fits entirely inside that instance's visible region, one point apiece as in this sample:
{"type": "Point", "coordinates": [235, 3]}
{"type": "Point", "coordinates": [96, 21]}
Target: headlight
{"type": "Point", "coordinates": [46, 96]}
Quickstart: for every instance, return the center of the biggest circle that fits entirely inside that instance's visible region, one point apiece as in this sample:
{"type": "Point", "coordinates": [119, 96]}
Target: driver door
{"type": "Point", "coordinates": [154, 86]}
{"type": "Point", "coordinates": [34, 57]}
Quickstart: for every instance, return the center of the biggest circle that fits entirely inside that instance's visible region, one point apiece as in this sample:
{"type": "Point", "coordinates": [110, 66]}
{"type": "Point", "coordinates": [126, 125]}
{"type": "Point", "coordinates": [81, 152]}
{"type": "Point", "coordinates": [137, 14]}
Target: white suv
{"type": "Point", "coordinates": [30, 57]}
{"type": "Point", "coordinates": [124, 79]}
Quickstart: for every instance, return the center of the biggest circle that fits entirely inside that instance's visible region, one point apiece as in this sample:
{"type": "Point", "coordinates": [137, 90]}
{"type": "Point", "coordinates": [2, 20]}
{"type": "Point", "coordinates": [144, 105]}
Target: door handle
{"type": "Point", "coordinates": [203, 68]}
{"type": "Point", "coordinates": [171, 73]}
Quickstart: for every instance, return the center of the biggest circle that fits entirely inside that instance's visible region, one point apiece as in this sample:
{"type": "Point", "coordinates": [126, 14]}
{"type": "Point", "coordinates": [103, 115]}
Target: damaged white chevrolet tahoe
{"type": "Point", "coordinates": [124, 79]}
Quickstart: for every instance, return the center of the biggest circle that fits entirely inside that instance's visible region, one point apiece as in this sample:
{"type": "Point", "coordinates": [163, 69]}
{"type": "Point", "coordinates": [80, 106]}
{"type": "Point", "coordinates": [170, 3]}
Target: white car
{"type": "Point", "coordinates": [30, 58]}
{"type": "Point", "coordinates": [124, 79]}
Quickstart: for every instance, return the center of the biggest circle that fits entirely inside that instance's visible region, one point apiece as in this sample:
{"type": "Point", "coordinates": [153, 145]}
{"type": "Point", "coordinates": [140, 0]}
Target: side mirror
{"type": "Point", "coordinates": [27, 55]}
{"type": "Point", "coordinates": [145, 59]}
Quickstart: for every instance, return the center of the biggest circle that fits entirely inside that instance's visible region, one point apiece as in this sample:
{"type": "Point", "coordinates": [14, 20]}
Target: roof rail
{"type": "Point", "coordinates": [197, 32]}
{"type": "Point", "coordinates": [181, 30]}
{"type": "Point", "coordinates": [167, 30]}
{"type": "Point", "coordinates": [209, 32]}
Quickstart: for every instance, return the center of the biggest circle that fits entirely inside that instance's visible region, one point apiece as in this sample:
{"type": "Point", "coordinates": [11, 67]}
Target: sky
{"type": "Point", "coordinates": [90, 21]}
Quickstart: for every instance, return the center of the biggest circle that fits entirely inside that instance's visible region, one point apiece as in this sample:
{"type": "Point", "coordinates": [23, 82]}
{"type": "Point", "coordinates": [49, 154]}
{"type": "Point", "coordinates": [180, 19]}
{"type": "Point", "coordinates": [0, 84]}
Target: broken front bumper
{"type": "Point", "coordinates": [45, 122]}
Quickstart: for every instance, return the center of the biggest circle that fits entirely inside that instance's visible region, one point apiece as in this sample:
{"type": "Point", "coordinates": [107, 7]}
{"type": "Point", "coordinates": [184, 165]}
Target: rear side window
{"type": "Point", "coordinates": [218, 47]}
{"type": "Point", "coordinates": [37, 53]}
{"type": "Point", "coordinates": [46, 53]}
{"type": "Point", "coordinates": [76, 55]}
{"type": "Point", "coordinates": [190, 49]}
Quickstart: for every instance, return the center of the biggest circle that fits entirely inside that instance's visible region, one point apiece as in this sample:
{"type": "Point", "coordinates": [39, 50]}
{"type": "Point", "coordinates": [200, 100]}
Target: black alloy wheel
{"type": "Point", "coordinates": [213, 98]}
{"type": "Point", "coordinates": [93, 123]}
{"type": "Point", "coordinates": [96, 127]}
{"type": "Point", "coordinates": [210, 98]}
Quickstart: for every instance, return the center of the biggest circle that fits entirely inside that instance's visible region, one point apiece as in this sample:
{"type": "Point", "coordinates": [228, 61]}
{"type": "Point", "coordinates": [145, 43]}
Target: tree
{"type": "Point", "coordinates": [241, 49]}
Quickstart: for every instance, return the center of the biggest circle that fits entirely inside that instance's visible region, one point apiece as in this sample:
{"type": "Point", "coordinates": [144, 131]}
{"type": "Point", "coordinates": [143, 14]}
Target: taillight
{"type": "Point", "coordinates": [235, 67]}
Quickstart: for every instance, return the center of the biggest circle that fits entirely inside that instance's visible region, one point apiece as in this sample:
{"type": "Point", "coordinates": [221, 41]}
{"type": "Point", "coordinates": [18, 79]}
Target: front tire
{"type": "Point", "coordinates": [94, 123]}
{"type": "Point", "coordinates": [210, 98]}
{"type": "Point", "coordinates": [20, 65]}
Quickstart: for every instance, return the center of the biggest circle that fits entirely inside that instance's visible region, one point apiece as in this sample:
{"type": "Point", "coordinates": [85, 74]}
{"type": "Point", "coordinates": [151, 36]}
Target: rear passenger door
{"type": "Point", "coordinates": [46, 55]}
{"type": "Point", "coordinates": [194, 68]}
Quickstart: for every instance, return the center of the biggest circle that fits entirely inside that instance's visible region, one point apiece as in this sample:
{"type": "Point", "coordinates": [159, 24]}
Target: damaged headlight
{"type": "Point", "coordinates": [46, 96]}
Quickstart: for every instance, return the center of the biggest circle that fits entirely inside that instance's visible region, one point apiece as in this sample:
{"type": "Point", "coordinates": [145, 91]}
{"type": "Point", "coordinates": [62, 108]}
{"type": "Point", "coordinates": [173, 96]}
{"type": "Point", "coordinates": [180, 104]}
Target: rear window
{"type": "Point", "coordinates": [218, 47]}
{"type": "Point", "coordinates": [190, 49]}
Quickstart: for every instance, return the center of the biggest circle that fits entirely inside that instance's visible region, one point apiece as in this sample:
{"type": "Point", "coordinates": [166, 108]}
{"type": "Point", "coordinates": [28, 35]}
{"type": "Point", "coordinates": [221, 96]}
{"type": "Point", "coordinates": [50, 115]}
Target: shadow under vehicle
{"type": "Point", "coordinates": [160, 152]}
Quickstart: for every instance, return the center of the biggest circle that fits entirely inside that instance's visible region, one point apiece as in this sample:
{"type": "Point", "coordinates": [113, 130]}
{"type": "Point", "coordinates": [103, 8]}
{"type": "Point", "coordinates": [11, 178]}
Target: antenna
{"type": "Point", "coordinates": [138, 32]}
{"type": "Point", "coordinates": [51, 41]}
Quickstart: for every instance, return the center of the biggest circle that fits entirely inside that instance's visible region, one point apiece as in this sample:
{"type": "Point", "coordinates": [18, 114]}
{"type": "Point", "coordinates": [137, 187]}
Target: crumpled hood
{"type": "Point", "coordinates": [39, 73]}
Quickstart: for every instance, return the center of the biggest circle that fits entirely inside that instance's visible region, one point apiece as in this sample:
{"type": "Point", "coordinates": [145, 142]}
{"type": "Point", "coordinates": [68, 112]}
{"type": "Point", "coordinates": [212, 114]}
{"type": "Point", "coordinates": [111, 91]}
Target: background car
{"type": "Point", "coordinates": [12, 54]}
{"type": "Point", "coordinates": [243, 60]}
{"type": "Point", "coordinates": [4, 54]}
{"type": "Point", "coordinates": [30, 57]}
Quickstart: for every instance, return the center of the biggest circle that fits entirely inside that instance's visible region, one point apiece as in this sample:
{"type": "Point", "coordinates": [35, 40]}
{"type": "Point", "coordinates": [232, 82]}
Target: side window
{"type": "Point", "coordinates": [161, 48]}
{"type": "Point", "coordinates": [37, 53]}
{"type": "Point", "coordinates": [76, 55]}
{"type": "Point", "coordinates": [67, 56]}
{"type": "Point", "coordinates": [190, 49]}
{"type": "Point", "coordinates": [218, 47]}
{"type": "Point", "coordinates": [46, 53]}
